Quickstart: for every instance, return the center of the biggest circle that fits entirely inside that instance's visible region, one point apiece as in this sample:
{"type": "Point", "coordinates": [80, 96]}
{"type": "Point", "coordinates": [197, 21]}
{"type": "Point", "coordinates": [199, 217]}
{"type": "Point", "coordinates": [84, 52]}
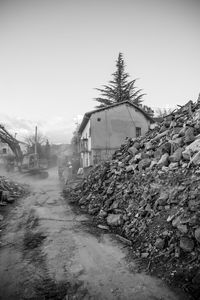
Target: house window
{"type": "Point", "coordinates": [98, 119]}
{"type": "Point", "coordinates": [4, 150]}
{"type": "Point", "coordinates": [138, 131]}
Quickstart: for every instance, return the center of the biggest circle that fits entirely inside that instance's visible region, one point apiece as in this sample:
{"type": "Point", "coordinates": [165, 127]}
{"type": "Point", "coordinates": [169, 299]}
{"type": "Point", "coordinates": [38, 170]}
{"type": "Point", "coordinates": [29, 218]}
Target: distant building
{"type": "Point", "coordinates": [5, 149]}
{"type": "Point", "coordinates": [102, 131]}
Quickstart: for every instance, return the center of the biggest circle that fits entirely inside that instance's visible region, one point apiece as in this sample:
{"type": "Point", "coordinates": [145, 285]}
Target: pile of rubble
{"type": "Point", "coordinates": [9, 192]}
{"type": "Point", "coordinates": [149, 193]}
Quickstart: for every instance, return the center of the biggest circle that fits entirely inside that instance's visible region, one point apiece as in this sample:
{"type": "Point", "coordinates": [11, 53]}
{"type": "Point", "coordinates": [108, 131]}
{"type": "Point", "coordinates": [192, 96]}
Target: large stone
{"type": "Point", "coordinates": [149, 146]}
{"type": "Point", "coordinates": [194, 220]}
{"type": "Point", "coordinates": [194, 146]}
{"type": "Point", "coordinates": [186, 155]}
{"type": "Point", "coordinates": [153, 163]}
{"type": "Point", "coordinates": [176, 156]}
{"type": "Point", "coordinates": [137, 145]}
{"type": "Point", "coordinates": [197, 234]}
{"type": "Point", "coordinates": [187, 244]}
{"type": "Point", "coordinates": [110, 191]}
{"type": "Point", "coordinates": [124, 240]}
{"type": "Point", "coordinates": [159, 243]}
{"type": "Point", "coordinates": [130, 168]}
{"type": "Point", "coordinates": [176, 130]}
{"type": "Point", "coordinates": [176, 222]}
{"type": "Point", "coordinates": [162, 199]}
{"type": "Point", "coordinates": [144, 254]}
{"type": "Point", "coordinates": [103, 213]}
{"type": "Point", "coordinates": [158, 154]}
{"type": "Point", "coordinates": [103, 227]}
{"type": "Point", "coordinates": [193, 204]}
{"type": "Point", "coordinates": [166, 147]}
{"type": "Point", "coordinates": [133, 150]}
{"type": "Point", "coordinates": [138, 157]}
{"type": "Point", "coordinates": [189, 135]}
{"type": "Point", "coordinates": [150, 153]}
{"type": "Point", "coordinates": [114, 219]}
{"type": "Point", "coordinates": [164, 161]}
{"type": "Point", "coordinates": [83, 200]}
{"type": "Point", "coordinates": [195, 159]}
{"type": "Point", "coordinates": [173, 165]}
{"type": "Point", "coordinates": [182, 228]}
{"type": "Point", "coordinates": [144, 163]}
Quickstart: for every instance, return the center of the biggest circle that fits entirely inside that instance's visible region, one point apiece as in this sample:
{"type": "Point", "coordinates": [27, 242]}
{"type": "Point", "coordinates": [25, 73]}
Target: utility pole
{"type": "Point", "coordinates": [36, 140]}
{"type": "Point", "coordinates": [36, 154]}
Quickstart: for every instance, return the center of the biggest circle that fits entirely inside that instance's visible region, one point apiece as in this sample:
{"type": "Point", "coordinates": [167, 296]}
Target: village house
{"type": "Point", "coordinates": [103, 130]}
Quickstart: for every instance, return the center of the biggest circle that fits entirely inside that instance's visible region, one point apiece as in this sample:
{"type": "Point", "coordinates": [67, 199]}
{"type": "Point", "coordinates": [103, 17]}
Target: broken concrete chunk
{"type": "Point", "coordinates": [189, 135]}
{"type": "Point", "coordinates": [186, 155]}
{"type": "Point", "coordinates": [153, 163]}
{"type": "Point", "coordinates": [193, 147]}
{"type": "Point", "coordinates": [144, 254]}
{"type": "Point", "coordinates": [103, 213]}
{"type": "Point", "coordinates": [164, 161]}
{"type": "Point", "coordinates": [144, 163]}
{"type": "Point", "coordinates": [182, 228]}
{"type": "Point", "coordinates": [162, 199]}
{"type": "Point", "coordinates": [176, 221]}
{"type": "Point", "coordinates": [160, 243]}
{"type": "Point", "coordinates": [114, 219]}
{"type": "Point", "coordinates": [130, 168]}
{"type": "Point", "coordinates": [133, 150]}
{"type": "Point", "coordinates": [149, 146]}
{"type": "Point", "coordinates": [176, 156]}
{"type": "Point", "coordinates": [103, 227]}
{"type": "Point", "coordinates": [195, 159]}
{"type": "Point", "coordinates": [138, 157]}
{"type": "Point", "coordinates": [187, 244]}
{"type": "Point", "coordinates": [137, 145]}
{"type": "Point", "coordinates": [197, 234]}
{"type": "Point", "coordinates": [124, 240]}
{"type": "Point", "coordinates": [166, 148]}
{"type": "Point", "coordinates": [173, 165]}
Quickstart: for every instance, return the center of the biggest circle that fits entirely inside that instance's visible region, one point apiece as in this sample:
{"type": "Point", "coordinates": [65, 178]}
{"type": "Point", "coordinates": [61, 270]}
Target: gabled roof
{"type": "Point", "coordinates": [88, 114]}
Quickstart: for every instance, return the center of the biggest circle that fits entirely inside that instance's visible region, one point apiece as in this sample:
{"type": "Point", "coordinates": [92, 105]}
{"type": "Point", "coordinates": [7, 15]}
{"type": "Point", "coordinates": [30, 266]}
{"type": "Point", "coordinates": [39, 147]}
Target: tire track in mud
{"type": "Point", "coordinates": [27, 272]}
{"type": "Point", "coordinates": [52, 252]}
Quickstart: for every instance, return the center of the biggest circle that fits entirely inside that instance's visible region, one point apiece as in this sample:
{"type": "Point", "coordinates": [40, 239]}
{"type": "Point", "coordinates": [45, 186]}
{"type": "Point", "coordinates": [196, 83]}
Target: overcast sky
{"type": "Point", "coordinates": [53, 53]}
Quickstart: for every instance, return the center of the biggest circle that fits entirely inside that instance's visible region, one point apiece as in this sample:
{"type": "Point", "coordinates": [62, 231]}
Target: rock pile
{"type": "Point", "coordinates": [150, 194]}
{"type": "Point", "coordinates": [9, 191]}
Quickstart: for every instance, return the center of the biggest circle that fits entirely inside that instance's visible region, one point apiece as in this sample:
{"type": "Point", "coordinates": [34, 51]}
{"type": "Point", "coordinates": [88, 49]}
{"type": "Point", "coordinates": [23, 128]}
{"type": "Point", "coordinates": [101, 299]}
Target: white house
{"type": "Point", "coordinates": [103, 130]}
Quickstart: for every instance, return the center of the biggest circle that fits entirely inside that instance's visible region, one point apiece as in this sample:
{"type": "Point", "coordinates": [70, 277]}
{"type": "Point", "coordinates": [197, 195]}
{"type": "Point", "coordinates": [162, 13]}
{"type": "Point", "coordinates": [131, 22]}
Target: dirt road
{"type": "Point", "coordinates": [48, 251]}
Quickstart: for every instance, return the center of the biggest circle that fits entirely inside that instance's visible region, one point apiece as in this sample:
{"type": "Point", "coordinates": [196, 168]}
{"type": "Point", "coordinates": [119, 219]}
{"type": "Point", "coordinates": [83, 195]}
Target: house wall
{"type": "Point", "coordinates": [5, 149]}
{"type": "Point", "coordinates": [4, 152]}
{"type": "Point", "coordinates": [86, 159]}
{"type": "Point", "coordinates": [110, 127]}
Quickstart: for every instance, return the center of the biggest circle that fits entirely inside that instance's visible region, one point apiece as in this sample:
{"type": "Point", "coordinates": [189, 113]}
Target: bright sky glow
{"type": "Point", "coordinates": [54, 53]}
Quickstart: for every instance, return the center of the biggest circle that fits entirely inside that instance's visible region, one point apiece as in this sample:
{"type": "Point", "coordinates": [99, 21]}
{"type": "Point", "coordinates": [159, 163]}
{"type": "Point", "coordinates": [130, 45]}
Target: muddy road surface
{"type": "Point", "coordinates": [48, 251]}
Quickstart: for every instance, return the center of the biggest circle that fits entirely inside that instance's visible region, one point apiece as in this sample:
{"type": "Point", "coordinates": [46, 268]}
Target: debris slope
{"type": "Point", "coordinates": [149, 193]}
{"type": "Point", "coordinates": [9, 192]}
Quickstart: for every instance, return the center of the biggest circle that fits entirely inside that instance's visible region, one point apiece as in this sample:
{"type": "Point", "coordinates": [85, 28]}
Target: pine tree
{"type": "Point", "coordinates": [119, 88]}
